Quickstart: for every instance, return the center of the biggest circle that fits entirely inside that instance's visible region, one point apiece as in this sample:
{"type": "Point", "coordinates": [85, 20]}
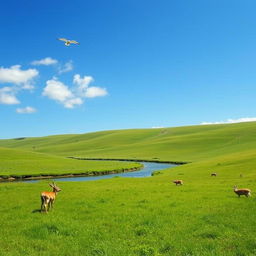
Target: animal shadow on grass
{"type": "Point", "coordinates": [36, 210]}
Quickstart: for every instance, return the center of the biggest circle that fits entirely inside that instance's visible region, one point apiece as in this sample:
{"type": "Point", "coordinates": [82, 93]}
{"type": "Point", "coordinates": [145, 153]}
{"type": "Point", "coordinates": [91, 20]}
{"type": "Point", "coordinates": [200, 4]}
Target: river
{"type": "Point", "coordinates": [146, 171]}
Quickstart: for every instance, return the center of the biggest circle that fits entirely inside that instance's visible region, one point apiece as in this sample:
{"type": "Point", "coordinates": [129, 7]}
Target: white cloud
{"type": "Point", "coordinates": [7, 96]}
{"type": "Point", "coordinates": [26, 110]}
{"type": "Point", "coordinates": [17, 76]}
{"type": "Point", "coordinates": [85, 81]}
{"type": "Point", "coordinates": [72, 96]}
{"type": "Point", "coordinates": [68, 66]}
{"type": "Point", "coordinates": [93, 92]}
{"type": "Point", "coordinates": [82, 84]}
{"type": "Point", "coordinates": [157, 127]}
{"type": "Point", "coordinates": [60, 92]}
{"type": "Point", "coordinates": [231, 121]}
{"type": "Point", "coordinates": [28, 87]}
{"type": "Point", "coordinates": [70, 103]}
{"type": "Point", "coordinates": [46, 62]}
{"type": "Point", "coordinates": [56, 90]}
{"type": "Point", "coordinates": [20, 80]}
{"type": "Point", "coordinates": [84, 90]}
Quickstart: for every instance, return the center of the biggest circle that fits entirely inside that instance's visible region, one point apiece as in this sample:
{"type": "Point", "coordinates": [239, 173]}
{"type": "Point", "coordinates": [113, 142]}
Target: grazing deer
{"type": "Point", "coordinates": [48, 198]}
{"type": "Point", "coordinates": [178, 182]}
{"type": "Point", "coordinates": [242, 191]}
{"type": "Point", "coordinates": [214, 174]}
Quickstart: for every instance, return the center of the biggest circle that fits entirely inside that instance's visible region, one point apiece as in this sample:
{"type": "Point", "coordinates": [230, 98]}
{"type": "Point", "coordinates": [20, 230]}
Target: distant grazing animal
{"type": "Point", "coordinates": [68, 42]}
{"type": "Point", "coordinates": [178, 182]}
{"type": "Point", "coordinates": [214, 174]}
{"type": "Point", "coordinates": [242, 191]}
{"type": "Point", "coordinates": [48, 198]}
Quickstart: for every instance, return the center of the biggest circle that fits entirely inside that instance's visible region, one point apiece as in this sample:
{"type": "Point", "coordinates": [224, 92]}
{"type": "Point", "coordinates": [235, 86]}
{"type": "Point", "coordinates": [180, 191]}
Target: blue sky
{"type": "Point", "coordinates": [140, 64]}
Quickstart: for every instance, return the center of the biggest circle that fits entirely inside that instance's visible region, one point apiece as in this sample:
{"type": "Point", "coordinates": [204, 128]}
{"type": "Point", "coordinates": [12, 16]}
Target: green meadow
{"type": "Point", "coordinates": [19, 164]}
{"type": "Point", "coordinates": [129, 216]}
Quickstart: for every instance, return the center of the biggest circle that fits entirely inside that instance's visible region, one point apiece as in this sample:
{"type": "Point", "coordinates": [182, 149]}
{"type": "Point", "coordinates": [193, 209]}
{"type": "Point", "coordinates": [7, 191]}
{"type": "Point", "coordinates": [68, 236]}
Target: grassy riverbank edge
{"type": "Point", "coordinates": [129, 160]}
{"type": "Point", "coordinates": [6, 178]}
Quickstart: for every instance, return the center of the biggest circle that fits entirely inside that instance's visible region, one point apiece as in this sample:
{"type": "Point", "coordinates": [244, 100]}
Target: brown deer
{"type": "Point", "coordinates": [242, 191]}
{"type": "Point", "coordinates": [48, 198]}
{"type": "Point", "coordinates": [214, 174]}
{"type": "Point", "coordinates": [178, 182]}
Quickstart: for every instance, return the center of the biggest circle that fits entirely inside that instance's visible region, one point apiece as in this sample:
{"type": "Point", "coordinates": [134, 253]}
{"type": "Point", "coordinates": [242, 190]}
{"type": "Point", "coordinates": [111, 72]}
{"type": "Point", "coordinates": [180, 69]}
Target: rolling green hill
{"type": "Point", "coordinates": [218, 147]}
{"type": "Point", "coordinates": [189, 144]}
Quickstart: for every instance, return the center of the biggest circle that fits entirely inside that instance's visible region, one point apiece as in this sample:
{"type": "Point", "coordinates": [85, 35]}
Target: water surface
{"type": "Point", "coordinates": [146, 171]}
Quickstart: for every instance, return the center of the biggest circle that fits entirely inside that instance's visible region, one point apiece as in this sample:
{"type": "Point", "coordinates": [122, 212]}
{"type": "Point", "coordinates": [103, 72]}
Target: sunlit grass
{"type": "Point", "coordinates": [149, 216]}
{"type": "Point", "coordinates": [135, 217]}
{"type": "Point", "coordinates": [17, 163]}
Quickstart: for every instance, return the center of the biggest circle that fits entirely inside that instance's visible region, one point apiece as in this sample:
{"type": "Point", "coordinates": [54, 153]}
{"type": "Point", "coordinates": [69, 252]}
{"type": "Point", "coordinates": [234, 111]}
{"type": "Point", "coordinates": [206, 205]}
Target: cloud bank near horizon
{"type": "Point", "coordinates": [232, 121]}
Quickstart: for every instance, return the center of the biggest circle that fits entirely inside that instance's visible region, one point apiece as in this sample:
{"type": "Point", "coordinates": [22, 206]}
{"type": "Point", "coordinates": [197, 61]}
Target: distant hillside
{"type": "Point", "coordinates": [191, 143]}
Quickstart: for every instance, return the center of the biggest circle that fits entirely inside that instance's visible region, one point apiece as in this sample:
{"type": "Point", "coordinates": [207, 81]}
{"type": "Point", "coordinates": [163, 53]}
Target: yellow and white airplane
{"type": "Point", "coordinates": [68, 42]}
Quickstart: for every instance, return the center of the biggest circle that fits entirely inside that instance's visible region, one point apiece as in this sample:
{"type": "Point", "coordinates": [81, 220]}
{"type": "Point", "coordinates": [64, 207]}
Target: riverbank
{"type": "Point", "coordinates": [5, 178]}
{"type": "Point", "coordinates": [130, 160]}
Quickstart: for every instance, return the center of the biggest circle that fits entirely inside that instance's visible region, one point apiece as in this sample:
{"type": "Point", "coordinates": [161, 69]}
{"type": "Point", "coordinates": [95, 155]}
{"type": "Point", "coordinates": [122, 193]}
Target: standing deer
{"type": "Point", "coordinates": [178, 182]}
{"type": "Point", "coordinates": [242, 191]}
{"type": "Point", "coordinates": [48, 198]}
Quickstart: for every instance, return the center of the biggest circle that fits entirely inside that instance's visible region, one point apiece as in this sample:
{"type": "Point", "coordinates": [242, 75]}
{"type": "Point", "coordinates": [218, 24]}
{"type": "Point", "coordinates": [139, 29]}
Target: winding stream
{"type": "Point", "coordinates": [146, 171]}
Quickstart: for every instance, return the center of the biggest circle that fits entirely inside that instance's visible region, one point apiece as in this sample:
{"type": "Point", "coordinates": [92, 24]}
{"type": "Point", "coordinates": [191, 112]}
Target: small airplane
{"type": "Point", "coordinates": [68, 42]}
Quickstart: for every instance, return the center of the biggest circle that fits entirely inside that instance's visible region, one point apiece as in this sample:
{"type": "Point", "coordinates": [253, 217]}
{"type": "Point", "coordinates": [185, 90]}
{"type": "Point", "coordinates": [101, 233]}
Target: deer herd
{"type": "Point", "coordinates": [240, 192]}
{"type": "Point", "coordinates": [48, 198]}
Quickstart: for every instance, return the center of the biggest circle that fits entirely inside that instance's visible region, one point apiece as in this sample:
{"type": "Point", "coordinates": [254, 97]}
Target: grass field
{"type": "Point", "coordinates": [18, 163]}
{"type": "Point", "coordinates": [139, 217]}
